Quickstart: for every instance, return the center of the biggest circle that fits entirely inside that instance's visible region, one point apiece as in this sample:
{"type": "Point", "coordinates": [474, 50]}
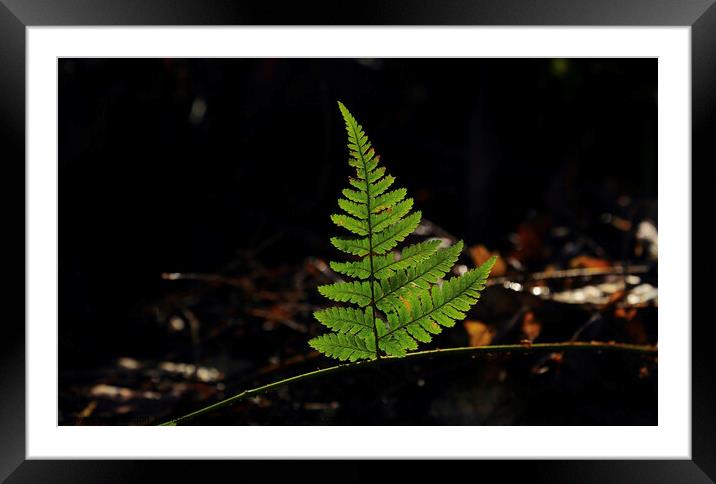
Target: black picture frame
{"type": "Point", "coordinates": [16, 15]}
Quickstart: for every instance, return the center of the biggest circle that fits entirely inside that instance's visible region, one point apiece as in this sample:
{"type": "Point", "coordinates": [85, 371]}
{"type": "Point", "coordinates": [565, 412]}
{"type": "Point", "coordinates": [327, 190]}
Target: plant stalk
{"type": "Point", "coordinates": [370, 244]}
{"type": "Point", "coordinates": [468, 350]}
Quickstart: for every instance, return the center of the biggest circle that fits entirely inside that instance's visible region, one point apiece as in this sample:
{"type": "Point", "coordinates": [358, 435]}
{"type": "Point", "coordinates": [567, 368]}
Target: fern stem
{"type": "Point", "coordinates": [471, 351]}
{"type": "Point", "coordinates": [356, 133]}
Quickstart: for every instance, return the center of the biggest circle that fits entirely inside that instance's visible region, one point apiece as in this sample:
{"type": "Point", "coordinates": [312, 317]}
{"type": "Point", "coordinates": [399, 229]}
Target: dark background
{"type": "Point", "coordinates": [151, 182]}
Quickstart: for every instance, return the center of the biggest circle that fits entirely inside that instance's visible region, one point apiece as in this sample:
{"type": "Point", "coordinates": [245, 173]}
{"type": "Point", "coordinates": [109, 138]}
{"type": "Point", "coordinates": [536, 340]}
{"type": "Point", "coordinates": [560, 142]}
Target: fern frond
{"type": "Point", "coordinates": [400, 305]}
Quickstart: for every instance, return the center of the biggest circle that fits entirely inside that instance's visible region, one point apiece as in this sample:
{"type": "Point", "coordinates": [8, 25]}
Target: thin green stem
{"type": "Point", "coordinates": [356, 133]}
{"type": "Point", "coordinates": [468, 350]}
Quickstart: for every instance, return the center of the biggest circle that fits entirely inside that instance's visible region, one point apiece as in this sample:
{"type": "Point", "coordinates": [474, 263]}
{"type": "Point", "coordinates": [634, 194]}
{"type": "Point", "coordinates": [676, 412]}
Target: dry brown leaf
{"type": "Point", "coordinates": [480, 254]}
{"type": "Point", "coordinates": [588, 262]}
{"type": "Point", "coordinates": [625, 313]}
{"type": "Point", "coordinates": [479, 333]}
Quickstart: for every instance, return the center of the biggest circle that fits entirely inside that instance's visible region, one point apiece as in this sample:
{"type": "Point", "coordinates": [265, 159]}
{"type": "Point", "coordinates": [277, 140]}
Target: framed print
{"type": "Point", "coordinates": [209, 276]}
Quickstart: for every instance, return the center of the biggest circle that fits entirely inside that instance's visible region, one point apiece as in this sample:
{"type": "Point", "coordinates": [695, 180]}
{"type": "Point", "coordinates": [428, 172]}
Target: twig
{"type": "Point", "coordinates": [211, 278]}
{"type": "Point", "coordinates": [571, 273]}
{"type": "Point", "coordinates": [470, 350]}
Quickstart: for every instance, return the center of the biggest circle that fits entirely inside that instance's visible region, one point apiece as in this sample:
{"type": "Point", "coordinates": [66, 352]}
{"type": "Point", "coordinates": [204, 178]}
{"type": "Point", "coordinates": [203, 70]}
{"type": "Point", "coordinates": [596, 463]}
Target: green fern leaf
{"type": "Point", "coordinates": [356, 196]}
{"type": "Point", "coordinates": [409, 257]}
{"type": "Point", "coordinates": [344, 347]}
{"type": "Point", "coordinates": [358, 210]}
{"type": "Point", "coordinates": [382, 242]}
{"type": "Point", "coordinates": [386, 265]}
{"type": "Point", "coordinates": [389, 238]}
{"type": "Point", "coordinates": [355, 292]}
{"type": "Point", "coordinates": [347, 320]}
{"type": "Point", "coordinates": [400, 303]}
{"type": "Point", "coordinates": [424, 311]}
{"type": "Point", "coordinates": [359, 269]}
{"type": "Point", "coordinates": [381, 186]}
{"type": "Point", "coordinates": [390, 215]}
{"type": "Point", "coordinates": [351, 224]}
{"type": "Point", "coordinates": [388, 200]}
{"type": "Point", "coordinates": [422, 275]}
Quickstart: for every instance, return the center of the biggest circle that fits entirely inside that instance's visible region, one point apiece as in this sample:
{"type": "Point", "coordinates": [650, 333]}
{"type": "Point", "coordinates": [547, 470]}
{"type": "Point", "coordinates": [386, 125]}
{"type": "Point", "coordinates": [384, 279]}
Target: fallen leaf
{"type": "Point", "coordinates": [589, 262]}
{"type": "Point", "coordinates": [480, 254]}
{"type": "Point", "coordinates": [479, 333]}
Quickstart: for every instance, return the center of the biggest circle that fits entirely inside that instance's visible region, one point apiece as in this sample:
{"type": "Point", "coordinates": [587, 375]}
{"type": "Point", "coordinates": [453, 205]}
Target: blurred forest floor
{"type": "Point", "coordinates": [248, 324]}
